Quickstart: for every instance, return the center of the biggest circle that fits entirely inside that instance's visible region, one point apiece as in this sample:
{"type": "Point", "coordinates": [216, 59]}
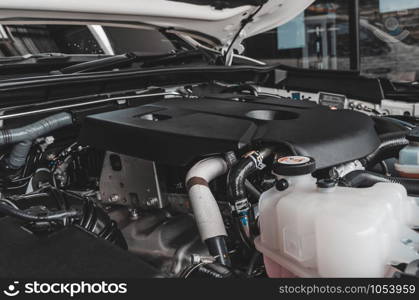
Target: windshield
{"type": "Point", "coordinates": [19, 40]}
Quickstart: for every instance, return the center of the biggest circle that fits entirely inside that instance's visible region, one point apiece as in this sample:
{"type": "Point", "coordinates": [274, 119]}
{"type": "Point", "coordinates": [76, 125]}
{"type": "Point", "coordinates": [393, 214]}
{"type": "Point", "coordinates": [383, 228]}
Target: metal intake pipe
{"type": "Point", "coordinates": [207, 213]}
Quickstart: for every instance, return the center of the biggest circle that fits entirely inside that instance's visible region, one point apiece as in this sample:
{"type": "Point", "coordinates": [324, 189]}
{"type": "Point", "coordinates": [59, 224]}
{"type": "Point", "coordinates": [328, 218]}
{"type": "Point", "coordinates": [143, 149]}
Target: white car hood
{"type": "Point", "coordinates": [204, 21]}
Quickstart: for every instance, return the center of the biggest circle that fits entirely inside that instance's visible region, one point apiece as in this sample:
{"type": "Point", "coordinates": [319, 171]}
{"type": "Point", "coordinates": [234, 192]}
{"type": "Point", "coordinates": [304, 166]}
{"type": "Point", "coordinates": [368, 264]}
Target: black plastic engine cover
{"type": "Point", "coordinates": [178, 131]}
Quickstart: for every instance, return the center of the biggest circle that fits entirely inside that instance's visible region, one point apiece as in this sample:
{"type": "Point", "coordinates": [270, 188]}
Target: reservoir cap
{"type": "Point", "coordinates": [294, 166]}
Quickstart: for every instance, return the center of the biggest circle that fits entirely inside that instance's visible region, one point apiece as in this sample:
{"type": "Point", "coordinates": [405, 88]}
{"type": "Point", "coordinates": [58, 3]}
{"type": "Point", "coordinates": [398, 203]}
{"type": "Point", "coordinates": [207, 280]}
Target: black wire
{"type": "Point", "coordinates": [188, 270]}
{"type": "Point", "coordinates": [243, 24]}
{"type": "Point", "coordinates": [17, 187]}
{"type": "Point", "coordinates": [25, 175]}
{"type": "Point", "coordinates": [384, 168]}
{"type": "Point", "coordinates": [49, 216]}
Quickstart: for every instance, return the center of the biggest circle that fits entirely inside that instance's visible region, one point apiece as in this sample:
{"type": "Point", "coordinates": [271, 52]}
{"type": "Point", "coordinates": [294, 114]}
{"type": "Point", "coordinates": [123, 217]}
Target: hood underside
{"type": "Point", "coordinates": [216, 22]}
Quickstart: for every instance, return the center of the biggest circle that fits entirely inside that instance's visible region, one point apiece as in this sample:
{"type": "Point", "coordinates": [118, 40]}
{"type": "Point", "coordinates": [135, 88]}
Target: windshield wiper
{"type": "Point", "coordinates": [115, 61]}
{"type": "Point", "coordinates": [127, 59]}
{"type": "Point", "coordinates": [29, 56]}
{"type": "Point", "coordinates": [40, 57]}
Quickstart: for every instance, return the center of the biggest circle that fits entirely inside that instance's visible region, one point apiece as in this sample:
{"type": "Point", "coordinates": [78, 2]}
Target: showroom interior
{"type": "Point", "coordinates": [377, 37]}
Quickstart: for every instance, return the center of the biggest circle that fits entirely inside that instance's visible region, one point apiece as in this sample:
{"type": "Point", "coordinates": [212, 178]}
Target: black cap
{"type": "Point", "coordinates": [327, 183]}
{"type": "Point", "coordinates": [281, 185]}
{"type": "Point", "coordinates": [294, 166]}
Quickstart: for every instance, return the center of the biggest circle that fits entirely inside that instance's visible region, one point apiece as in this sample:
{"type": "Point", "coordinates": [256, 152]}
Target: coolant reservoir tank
{"type": "Point", "coordinates": [408, 164]}
{"type": "Point", "coordinates": [332, 231]}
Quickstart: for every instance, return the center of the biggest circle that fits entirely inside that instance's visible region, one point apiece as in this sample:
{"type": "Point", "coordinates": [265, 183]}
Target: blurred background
{"type": "Point", "coordinates": [377, 37]}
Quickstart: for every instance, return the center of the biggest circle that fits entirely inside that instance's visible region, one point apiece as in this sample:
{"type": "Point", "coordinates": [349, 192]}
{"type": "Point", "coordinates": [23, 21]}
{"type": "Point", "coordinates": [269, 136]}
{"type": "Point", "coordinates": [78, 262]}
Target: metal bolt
{"type": "Point", "coordinates": [197, 259]}
{"type": "Point", "coordinates": [114, 198]}
{"type": "Point", "coordinates": [49, 140]}
{"type": "Point", "coordinates": [133, 214]}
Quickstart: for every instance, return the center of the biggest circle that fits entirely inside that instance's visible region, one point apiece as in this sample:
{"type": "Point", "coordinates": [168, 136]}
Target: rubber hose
{"type": "Point", "coordinates": [24, 136]}
{"type": "Point", "coordinates": [237, 178]}
{"type": "Point", "coordinates": [367, 179]}
{"type": "Point", "coordinates": [238, 175]}
{"type": "Point", "coordinates": [388, 148]}
{"type": "Point", "coordinates": [237, 192]}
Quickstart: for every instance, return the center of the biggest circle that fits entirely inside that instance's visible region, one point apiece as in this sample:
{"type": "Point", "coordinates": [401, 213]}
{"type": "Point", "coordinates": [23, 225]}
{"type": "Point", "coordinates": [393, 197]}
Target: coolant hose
{"type": "Point", "coordinates": [366, 179]}
{"type": "Point", "coordinates": [236, 186]}
{"type": "Point", "coordinates": [18, 155]}
{"type": "Point", "coordinates": [389, 147]}
{"type": "Point", "coordinates": [205, 208]}
{"type": "Point", "coordinates": [24, 136]}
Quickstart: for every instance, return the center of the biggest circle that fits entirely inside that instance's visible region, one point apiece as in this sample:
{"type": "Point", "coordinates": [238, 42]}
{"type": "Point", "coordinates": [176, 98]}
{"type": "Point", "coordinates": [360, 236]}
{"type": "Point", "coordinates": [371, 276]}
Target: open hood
{"type": "Point", "coordinates": [214, 21]}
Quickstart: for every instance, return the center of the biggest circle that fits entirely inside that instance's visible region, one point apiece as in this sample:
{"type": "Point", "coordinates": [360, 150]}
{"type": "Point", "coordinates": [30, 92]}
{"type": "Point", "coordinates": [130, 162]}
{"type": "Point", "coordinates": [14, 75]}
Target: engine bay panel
{"type": "Point", "coordinates": [176, 131]}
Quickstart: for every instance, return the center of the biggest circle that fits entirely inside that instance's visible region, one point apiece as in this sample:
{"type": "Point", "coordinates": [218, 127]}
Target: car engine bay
{"type": "Point", "coordinates": [212, 180]}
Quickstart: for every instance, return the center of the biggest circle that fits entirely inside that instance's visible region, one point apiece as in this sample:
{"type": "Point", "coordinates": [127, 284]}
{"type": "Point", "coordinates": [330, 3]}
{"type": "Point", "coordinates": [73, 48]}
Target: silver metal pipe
{"type": "Point", "coordinates": [206, 211]}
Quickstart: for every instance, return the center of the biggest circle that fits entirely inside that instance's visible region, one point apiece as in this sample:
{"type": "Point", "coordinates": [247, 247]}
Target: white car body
{"type": "Point", "coordinates": [217, 27]}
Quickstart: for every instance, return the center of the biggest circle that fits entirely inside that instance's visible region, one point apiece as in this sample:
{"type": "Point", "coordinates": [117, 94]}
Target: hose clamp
{"type": "Point", "coordinates": [257, 158]}
{"type": "Point", "coordinates": [241, 206]}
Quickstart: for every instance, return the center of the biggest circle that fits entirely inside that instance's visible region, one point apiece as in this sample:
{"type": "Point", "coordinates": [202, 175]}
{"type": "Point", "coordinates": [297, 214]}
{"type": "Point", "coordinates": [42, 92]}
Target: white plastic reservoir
{"type": "Point", "coordinates": [308, 231]}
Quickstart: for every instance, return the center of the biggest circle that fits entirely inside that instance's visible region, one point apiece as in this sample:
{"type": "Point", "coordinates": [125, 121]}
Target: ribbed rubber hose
{"type": "Point", "coordinates": [366, 179]}
{"type": "Point", "coordinates": [24, 136]}
{"type": "Point", "coordinates": [237, 178]}
{"type": "Point", "coordinates": [239, 173]}
{"type": "Point", "coordinates": [237, 192]}
{"type": "Point", "coordinates": [388, 148]}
